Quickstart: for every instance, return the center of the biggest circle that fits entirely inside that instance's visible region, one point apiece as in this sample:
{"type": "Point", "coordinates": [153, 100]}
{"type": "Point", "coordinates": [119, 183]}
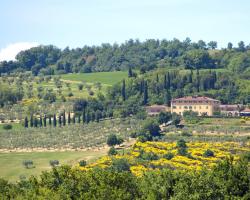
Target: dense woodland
{"type": "Point", "coordinates": [143, 56]}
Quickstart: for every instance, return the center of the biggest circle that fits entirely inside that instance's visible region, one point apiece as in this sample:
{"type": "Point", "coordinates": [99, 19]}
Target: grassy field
{"type": "Point", "coordinates": [11, 167]}
{"type": "Point", "coordinates": [108, 78]}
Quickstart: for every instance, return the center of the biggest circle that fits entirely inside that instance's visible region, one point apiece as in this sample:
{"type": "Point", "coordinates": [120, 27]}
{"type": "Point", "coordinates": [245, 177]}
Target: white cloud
{"type": "Point", "coordinates": [10, 51]}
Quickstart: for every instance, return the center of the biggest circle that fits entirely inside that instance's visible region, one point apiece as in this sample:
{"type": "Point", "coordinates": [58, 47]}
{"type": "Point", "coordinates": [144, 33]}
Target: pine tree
{"type": "Point", "coordinates": [31, 121]}
{"type": "Point", "coordinates": [123, 90]}
{"type": "Point", "coordinates": [26, 122]}
{"type": "Point", "coordinates": [69, 118]}
{"type": "Point", "coordinates": [54, 120]}
{"type": "Point", "coordinates": [45, 121]}
{"type": "Point", "coordinates": [145, 97]}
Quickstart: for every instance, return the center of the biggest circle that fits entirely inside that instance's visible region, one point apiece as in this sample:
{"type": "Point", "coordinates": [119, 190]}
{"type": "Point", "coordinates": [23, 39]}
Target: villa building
{"type": "Point", "coordinates": [204, 106]}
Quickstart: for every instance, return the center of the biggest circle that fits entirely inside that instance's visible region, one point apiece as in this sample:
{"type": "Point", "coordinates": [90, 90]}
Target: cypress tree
{"type": "Point", "coordinates": [190, 77]}
{"type": "Point", "coordinates": [31, 121]}
{"type": "Point", "coordinates": [64, 119]}
{"type": "Point", "coordinates": [141, 87]}
{"type": "Point", "coordinates": [45, 121]}
{"type": "Point", "coordinates": [87, 117]}
{"type": "Point", "coordinates": [167, 98]}
{"type": "Point", "coordinates": [69, 118]}
{"type": "Point", "coordinates": [50, 121]}
{"type": "Point", "coordinates": [41, 121]}
{"type": "Point", "coordinates": [123, 90]}
{"type": "Point", "coordinates": [54, 120]}
{"type": "Point", "coordinates": [197, 80]}
{"type": "Point", "coordinates": [35, 122]}
{"type": "Point", "coordinates": [165, 81]}
{"type": "Point", "coordinates": [74, 119]}
{"type": "Point", "coordinates": [145, 97]}
{"type": "Point", "coordinates": [60, 120]}
{"type": "Point", "coordinates": [157, 78]}
{"type": "Point", "coordinates": [168, 81]}
{"type": "Point", "coordinates": [83, 116]}
{"type": "Point", "coordinates": [130, 72]}
{"type": "Point", "coordinates": [26, 122]}
{"type": "Point", "coordinates": [79, 119]}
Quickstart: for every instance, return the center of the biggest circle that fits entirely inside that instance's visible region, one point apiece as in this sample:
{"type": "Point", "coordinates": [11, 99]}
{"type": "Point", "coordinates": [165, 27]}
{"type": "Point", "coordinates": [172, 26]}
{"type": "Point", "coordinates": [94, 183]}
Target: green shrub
{"type": "Point", "coordinates": [168, 156]}
{"type": "Point", "coordinates": [208, 153]}
{"type": "Point", "coordinates": [82, 163]}
{"type": "Point", "coordinates": [7, 126]}
{"type": "Point", "coordinates": [112, 151]}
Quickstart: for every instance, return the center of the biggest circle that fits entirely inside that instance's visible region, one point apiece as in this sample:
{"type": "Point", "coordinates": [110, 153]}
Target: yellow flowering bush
{"type": "Point", "coordinates": [149, 155]}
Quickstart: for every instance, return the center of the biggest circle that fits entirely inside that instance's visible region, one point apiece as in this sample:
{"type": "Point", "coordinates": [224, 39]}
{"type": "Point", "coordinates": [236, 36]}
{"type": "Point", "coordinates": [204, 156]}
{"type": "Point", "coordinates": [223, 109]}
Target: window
{"type": "Point", "coordinates": [200, 107]}
{"type": "Point", "coordinates": [185, 107]}
{"type": "Point", "coordinates": [190, 107]}
{"type": "Point", "coordinates": [180, 107]}
{"type": "Point", "coordinates": [174, 107]}
{"type": "Point", "coordinates": [207, 107]}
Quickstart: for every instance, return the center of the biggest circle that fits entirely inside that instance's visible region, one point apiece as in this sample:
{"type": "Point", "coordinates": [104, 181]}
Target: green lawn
{"type": "Point", "coordinates": [108, 78]}
{"type": "Point", "coordinates": [11, 167]}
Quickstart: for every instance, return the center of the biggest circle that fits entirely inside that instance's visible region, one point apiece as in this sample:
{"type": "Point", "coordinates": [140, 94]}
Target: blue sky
{"type": "Point", "coordinates": [76, 23]}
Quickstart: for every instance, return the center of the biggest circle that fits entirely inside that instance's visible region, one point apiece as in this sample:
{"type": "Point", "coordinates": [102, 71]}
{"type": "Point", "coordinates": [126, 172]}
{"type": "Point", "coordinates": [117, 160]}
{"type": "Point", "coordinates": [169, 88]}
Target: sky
{"type": "Point", "coordinates": [75, 23]}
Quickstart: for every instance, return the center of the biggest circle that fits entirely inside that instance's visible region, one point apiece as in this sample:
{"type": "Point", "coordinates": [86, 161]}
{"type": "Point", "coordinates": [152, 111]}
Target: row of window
{"type": "Point", "coordinates": [189, 107]}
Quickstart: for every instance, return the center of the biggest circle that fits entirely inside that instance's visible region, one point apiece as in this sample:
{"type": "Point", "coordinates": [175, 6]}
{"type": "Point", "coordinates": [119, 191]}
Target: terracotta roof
{"type": "Point", "coordinates": [246, 110]}
{"type": "Point", "coordinates": [233, 107]}
{"type": "Point", "coordinates": [195, 98]}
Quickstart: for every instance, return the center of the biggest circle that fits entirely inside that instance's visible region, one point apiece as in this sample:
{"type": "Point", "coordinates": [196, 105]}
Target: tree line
{"type": "Point", "coordinates": [228, 180]}
{"type": "Point", "coordinates": [143, 56]}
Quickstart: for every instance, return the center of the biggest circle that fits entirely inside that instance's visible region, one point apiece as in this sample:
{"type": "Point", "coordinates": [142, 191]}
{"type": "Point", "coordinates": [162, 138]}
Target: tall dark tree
{"type": "Point", "coordinates": [165, 81]}
{"type": "Point", "coordinates": [241, 46]}
{"type": "Point", "coordinates": [31, 121]}
{"type": "Point", "coordinates": [167, 98]}
{"type": "Point", "coordinates": [130, 72]}
{"type": "Point", "coordinates": [145, 95]}
{"type": "Point", "coordinates": [84, 116]}
{"type": "Point", "coordinates": [141, 87]}
{"type": "Point", "coordinates": [69, 118]}
{"type": "Point", "coordinates": [123, 90]}
{"type": "Point", "coordinates": [54, 120]}
{"type": "Point", "coordinates": [35, 122]}
{"type": "Point", "coordinates": [212, 45]}
{"type": "Point", "coordinates": [45, 121]}
{"type": "Point", "coordinates": [74, 119]}
{"type": "Point", "coordinates": [41, 121]}
{"type": "Point", "coordinates": [64, 119]}
{"type": "Point", "coordinates": [26, 122]}
{"type": "Point", "coordinates": [168, 81]}
{"type": "Point", "coordinates": [79, 119]}
{"type": "Point", "coordinates": [190, 76]}
{"type": "Point", "coordinates": [229, 46]}
{"type": "Point", "coordinates": [50, 121]}
{"type": "Point", "coordinates": [60, 120]}
{"type": "Point", "coordinates": [157, 78]}
{"type": "Point", "coordinates": [197, 80]}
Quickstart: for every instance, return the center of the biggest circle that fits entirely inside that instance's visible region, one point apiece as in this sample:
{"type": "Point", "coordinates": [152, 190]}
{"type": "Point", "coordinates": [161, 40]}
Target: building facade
{"type": "Point", "coordinates": [204, 106]}
{"type": "Point", "coordinates": [231, 110]}
{"type": "Point", "coordinates": [156, 109]}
